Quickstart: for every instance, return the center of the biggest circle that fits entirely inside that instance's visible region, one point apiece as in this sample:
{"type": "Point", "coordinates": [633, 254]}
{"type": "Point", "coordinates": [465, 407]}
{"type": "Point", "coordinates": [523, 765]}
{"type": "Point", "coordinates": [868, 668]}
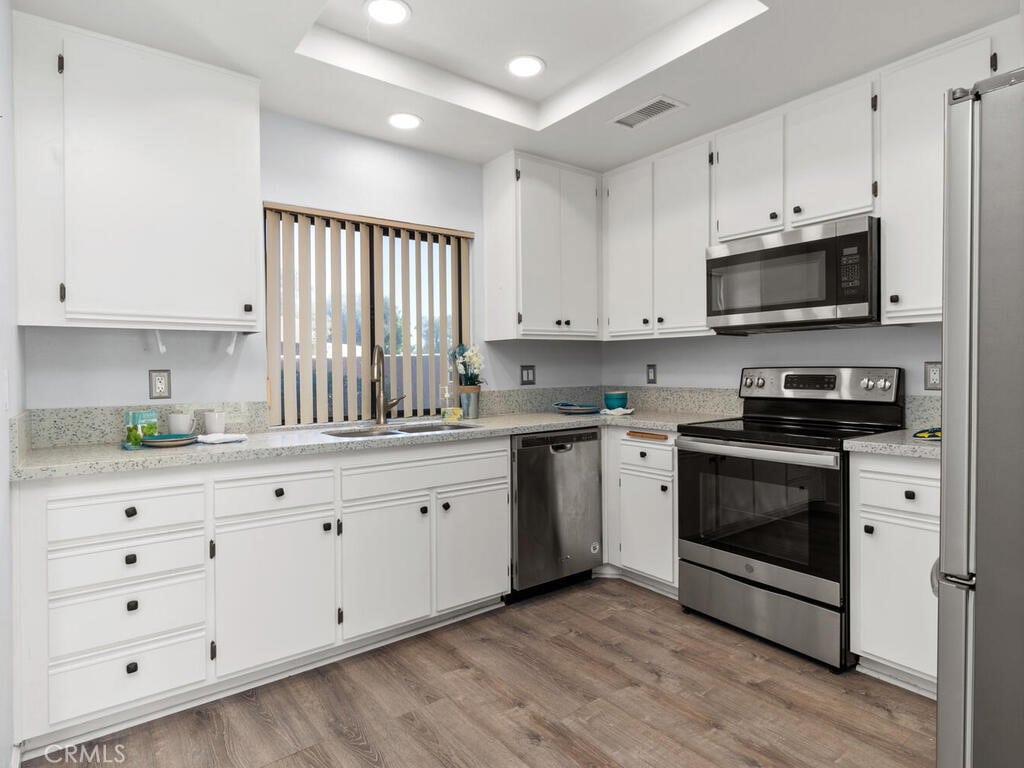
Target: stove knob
{"type": "Point", "coordinates": [884, 384]}
{"type": "Point", "coordinates": [867, 384]}
{"type": "Point", "coordinates": [760, 382]}
{"type": "Point", "coordinates": [748, 382]}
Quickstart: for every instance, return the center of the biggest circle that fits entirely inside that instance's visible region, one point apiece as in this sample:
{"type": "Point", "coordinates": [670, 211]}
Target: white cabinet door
{"type": "Point", "coordinates": [895, 612]}
{"type": "Point", "coordinates": [274, 590]}
{"type": "Point", "coordinates": [540, 272]}
{"type": "Point", "coordinates": [473, 545]}
{"type": "Point", "coordinates": [829, 157]}
{"type": "Point", "coordinates": [579, 253]}
{"type": "Point", "coordinates": [646, 525]}
{"type": "Point", "coordinates": [748, 179]}
{"type": "Point", "coordinates": [681, 220]}
{"type": "Point", "coordinates": [385, 565]}
{"type": "Point", "coordinates": [911, 186]}
{"type": "Point", "coordinates": [628, 252]}
{"type": "Point", "coordinates": [161, 189]}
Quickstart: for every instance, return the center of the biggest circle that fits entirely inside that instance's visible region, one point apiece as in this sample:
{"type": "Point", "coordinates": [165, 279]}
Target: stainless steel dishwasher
{"type": "Point", "coordinates": [556, 513]}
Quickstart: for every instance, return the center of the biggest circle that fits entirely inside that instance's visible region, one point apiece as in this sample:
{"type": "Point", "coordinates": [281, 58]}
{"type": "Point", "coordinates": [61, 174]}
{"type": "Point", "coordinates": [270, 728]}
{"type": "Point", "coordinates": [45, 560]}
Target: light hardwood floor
{"type": "Point", "coordinates": [602, 674]}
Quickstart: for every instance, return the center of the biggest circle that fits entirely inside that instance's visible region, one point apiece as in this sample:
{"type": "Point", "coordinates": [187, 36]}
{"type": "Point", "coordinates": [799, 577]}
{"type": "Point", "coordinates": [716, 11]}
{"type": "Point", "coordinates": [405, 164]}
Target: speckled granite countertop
{"type": "Point", "coordinates": [76, 461]}
{"type": "Point", "coordinates": [899, 443]}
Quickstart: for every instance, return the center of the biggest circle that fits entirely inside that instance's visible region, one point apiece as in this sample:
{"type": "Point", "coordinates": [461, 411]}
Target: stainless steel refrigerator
{"type": "Point", "coordinates": [981, 565]}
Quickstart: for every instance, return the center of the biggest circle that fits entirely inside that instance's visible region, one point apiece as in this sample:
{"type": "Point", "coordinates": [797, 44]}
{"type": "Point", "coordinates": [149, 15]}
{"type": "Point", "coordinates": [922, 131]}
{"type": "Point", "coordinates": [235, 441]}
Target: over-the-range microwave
{"type": "Point", "coordinates": [818, 276]}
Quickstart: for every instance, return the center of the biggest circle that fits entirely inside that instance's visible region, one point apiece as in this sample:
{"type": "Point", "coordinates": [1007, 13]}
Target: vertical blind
{"type": "Point", "coordinates": [336, 286]}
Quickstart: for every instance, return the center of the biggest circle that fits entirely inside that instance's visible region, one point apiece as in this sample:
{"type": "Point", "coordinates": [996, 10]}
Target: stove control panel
{"type": "Point", "coordinates": [877, 385]}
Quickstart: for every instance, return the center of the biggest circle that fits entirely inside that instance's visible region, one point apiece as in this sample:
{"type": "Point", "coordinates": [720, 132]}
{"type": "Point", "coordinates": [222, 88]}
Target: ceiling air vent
{"type": "Point", "coordinates": [648, 112]}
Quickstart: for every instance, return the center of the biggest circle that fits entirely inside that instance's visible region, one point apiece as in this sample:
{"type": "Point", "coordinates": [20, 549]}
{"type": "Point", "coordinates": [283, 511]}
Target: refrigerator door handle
{"type": "Point", "coordinates": [959, 244]}
{"type": "Point", "coordinates": [934, 577]}
{"type": "Point", "coordinates": [953, 746]}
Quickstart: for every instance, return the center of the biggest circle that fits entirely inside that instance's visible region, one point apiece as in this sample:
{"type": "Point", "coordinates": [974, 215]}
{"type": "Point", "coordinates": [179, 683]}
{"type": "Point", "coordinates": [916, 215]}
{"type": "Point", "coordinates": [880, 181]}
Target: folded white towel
{"type": "Point", "coordinates": [617, 411]}
{"type": "Point", "coordinates": [221, 437]}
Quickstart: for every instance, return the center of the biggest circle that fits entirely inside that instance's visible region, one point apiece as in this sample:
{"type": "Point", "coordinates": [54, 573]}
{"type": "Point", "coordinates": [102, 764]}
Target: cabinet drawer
{"type": "Point", "coordinates": [413, 476]}
{"type": "Point", "coordinates": [88, 688]}
{"type": "Point", "coordinates": [918, 495]}
{"type": "Point", "coordinates": [643, 454]}
{"type": "Point", "coordinates": [243, 497]}
{"type": "Point", "coordinates": [128, 560]}
{"type": "Point", "coordinates": [127, 513]}
{"type": "Point", "coordinates": [151, 609]}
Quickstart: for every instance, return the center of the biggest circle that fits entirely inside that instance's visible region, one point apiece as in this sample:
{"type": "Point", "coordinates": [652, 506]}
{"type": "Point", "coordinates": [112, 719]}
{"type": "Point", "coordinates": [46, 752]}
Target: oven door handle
{"type": "Point", "coordinates": [776, 453]}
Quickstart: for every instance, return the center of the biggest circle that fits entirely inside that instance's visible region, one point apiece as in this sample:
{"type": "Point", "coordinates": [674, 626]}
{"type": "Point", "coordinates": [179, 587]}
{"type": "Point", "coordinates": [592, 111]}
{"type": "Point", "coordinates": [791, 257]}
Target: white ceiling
{"type": "Point", "coordinates": [795, 48]}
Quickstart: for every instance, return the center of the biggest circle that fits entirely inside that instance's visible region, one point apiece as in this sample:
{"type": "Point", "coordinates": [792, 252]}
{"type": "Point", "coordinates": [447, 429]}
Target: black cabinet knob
{"type": "Point", "coordinates": [664, 488]}
{"type": "Point", "coordinates": [247, 307]}
{"type": "Point", "coordinates": [647, 321]}
{"type": "Point", "coordinates": [131, 512]}
{"type": "Point", "coordinates": [558, 323]}
{"type": "Point", "coordinates": [643, 454]}
{"type": "Point", "coordinates": [424, 510]}
{"type": "Point", "coordinates": [910, 495]}
{"type": "Point", "coordinates": [797, 209]}
{"type": "Point", "coordinates": [328, 527]}
{"type": "Point", "coordinates": [894, 298]}
{"type": "Point", "coordinates": [446, 506]}
{"type": "Point", "coordinates": [869, 529]}
{"type": "Point", "coordinates": [661, 319]}
{"type": "Point", "coordinates": [279, 492]}
{"type": "Point", "coordinates": [773, 215]}
{"type": "Point", "coordinates": [133, 605]}
{"type": "Point", "coordinates": [568, 323]}
{"type": "Point", "coordinates": [131, 559]}
{"type": "Point", "coordinates": [132, 668]}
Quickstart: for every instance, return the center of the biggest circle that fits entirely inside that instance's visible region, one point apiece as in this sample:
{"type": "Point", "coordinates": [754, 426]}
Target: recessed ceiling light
{"type": "Point", "coordinates": [526, 66]}
{"type": "Point", "coordinates": [404, 121]}
{"type": "Point", "coordinates": [388, 11]}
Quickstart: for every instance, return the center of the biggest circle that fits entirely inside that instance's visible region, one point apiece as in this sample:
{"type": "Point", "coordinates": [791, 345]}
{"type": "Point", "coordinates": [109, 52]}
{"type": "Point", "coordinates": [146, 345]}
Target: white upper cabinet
{"type": "Point", "coordinates": [829, 157]}
{"type": "Point", "coordinates": [628, 252]}
{"type": "Point", "coordinates": [137, 184]}
{"type": "Point", "coordinates": [541, 250]}
{"type": "Point", "coordinates": [682, 197]}
{"type": "Point", "coordinates": [911, 183]}
{"type": "Point", "coordinates": [748, 179]}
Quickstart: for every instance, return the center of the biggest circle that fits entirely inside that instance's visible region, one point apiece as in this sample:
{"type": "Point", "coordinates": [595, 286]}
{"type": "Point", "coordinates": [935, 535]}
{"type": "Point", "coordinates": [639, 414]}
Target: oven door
{"type": "Point", "coordinates": [769, 514]}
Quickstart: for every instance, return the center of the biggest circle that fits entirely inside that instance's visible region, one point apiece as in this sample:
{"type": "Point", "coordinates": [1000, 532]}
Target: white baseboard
{"type": "Point", "coordinates": [608, 571]}
{"type": "Point", "coordinates": [898, 677]}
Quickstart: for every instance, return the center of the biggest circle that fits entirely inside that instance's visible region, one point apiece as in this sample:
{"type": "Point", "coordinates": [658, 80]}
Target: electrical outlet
{"type": "Point", "coordinates": [933, 375]}
{"type": "Point", "coordinates": [159, 385]}
{"type": "Point", "coordinates": [652, 373]}
{"type": "Point", "coordinates": [527, 375]}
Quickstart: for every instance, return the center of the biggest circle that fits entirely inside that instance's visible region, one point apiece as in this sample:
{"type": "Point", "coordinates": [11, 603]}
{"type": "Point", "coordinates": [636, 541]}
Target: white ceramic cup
{"type": "Point", "coordinates": [181, 423]}
{"type": "Point", "coordinates": [214, 422]}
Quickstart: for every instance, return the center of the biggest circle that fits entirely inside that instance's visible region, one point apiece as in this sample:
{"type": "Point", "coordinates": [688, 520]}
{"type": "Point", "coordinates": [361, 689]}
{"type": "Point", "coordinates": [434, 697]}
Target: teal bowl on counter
{"type": "Point", "coordinates": [614, 400]}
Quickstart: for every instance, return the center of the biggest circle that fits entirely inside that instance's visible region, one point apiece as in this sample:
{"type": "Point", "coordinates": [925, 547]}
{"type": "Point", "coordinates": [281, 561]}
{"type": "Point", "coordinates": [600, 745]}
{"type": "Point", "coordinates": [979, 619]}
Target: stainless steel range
{"type": "Point", "coordinates": [763, 503]}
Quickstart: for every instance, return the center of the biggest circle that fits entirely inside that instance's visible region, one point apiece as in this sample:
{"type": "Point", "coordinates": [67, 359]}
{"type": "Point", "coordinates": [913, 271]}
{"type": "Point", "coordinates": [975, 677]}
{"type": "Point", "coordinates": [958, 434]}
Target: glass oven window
{"type": "Point", "coordinates": [783, 514]}
{"type": "Point", "coordinates": [779, 282]}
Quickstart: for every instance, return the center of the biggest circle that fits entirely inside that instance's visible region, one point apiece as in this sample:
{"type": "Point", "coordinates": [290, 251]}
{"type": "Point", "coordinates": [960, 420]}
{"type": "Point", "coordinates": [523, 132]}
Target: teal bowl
{"type": "Point", "coordinates": [615, 400]}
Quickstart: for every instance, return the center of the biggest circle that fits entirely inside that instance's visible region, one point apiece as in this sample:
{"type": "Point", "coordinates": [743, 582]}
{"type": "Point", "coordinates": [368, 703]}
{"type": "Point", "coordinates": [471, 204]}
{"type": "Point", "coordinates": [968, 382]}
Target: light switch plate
{"type": "Point", "coordinates": [933, 375]}
{"type": "Point", "coordinates": [652, 373]}
{"type": "Point", "coordinates": [159, 385]}
{"type": "Point", "coordinates": [527, 375]}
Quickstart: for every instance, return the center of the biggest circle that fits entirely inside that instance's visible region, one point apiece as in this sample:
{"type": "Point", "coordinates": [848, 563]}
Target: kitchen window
{"type": "Point", "coordinates": [336, 286]}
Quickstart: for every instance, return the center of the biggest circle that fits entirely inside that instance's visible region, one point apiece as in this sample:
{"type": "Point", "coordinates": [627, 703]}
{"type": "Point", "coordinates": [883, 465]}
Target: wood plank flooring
{"type": "Point", "coordinates": [602, 674]}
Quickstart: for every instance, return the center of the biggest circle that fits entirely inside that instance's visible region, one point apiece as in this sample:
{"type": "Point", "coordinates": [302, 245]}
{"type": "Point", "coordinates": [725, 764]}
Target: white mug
{"type": "Point", "coordinates": [214, 422]}
{"type": "Point", "coordinates": [181, 423]}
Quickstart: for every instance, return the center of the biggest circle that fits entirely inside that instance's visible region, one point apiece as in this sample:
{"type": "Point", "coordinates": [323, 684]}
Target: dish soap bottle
{"type": "Point", "coordinates": [449, 411]}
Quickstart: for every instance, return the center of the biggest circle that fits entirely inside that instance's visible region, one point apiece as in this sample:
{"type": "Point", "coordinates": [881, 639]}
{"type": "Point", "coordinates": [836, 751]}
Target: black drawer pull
{"type": "Point", "coordinates": [643, 454]}
{"type": "Point", "coordinates": [247, 307]}
{"type": "Point", "coordinates": [328, 527]}
{"type": "Point", "coordinates": [446, 506]}
{"type": "Point", "coordinates": [131, 512]}
{"type": "Point", "coordinates": [797, 209]}
{"type": "Point", "coordinates": [424, 510]}
{"type": "Point", "coordinates": [558, 322]}
{"type": "Point", "coordinates": [773, 215]}
{"type": "Point", "coordinates": [869, 529]}
{"type": "Point", "coordinates": [661, 319]}
{"type": "Point", "coordinates": [279, 492]}
{"type": "Point", "coordinates": [894, 298]}
{"type": "Point", "coordinates": [133, 605]}
{"type": "Point", "coordinates": [131, 559]}
{"type": "Point", "coordinates": [132, 668]}
{"type": "Point", "coordinates": [647, 321]}
{"type": "Point", "coordinates": [664, 488]}
{"type": "Point", "coordinates": [910, 495]}
{"type": "Point", "coordinates": [568, 323]}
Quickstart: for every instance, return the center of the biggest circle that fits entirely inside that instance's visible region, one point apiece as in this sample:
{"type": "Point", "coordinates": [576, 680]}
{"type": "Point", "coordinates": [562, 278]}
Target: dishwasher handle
{"type": "Point", "coordinates": [561, 447]}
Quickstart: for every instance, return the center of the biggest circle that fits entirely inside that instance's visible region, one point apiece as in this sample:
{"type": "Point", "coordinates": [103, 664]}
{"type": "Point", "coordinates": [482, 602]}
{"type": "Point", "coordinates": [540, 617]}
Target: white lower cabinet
{"type": "Point", "coordinates": [648, 546]}
{"type": "Point", "coordinates": [894, 547]}
{"type": "Point", "coordinates": [385, 565]}
{"type": "Point", "coordinates": [275, 593]}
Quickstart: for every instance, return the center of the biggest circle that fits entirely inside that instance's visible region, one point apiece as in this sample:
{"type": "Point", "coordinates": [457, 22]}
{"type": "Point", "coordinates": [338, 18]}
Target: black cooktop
{"type": "Point", "coordinates": [779, 432]}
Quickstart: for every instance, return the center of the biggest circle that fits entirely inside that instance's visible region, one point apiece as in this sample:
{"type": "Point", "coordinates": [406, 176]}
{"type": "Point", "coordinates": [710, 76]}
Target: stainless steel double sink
{"type": "Point", "coordinates": [397, 430]}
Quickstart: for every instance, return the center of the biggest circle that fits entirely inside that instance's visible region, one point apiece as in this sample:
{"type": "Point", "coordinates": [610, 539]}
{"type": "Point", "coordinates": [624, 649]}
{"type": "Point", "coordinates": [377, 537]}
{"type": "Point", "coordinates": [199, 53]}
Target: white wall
{"type": "Point", "coordinates": [10, 374]}
{"type": "Point", "coordinates": [715, 361]}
